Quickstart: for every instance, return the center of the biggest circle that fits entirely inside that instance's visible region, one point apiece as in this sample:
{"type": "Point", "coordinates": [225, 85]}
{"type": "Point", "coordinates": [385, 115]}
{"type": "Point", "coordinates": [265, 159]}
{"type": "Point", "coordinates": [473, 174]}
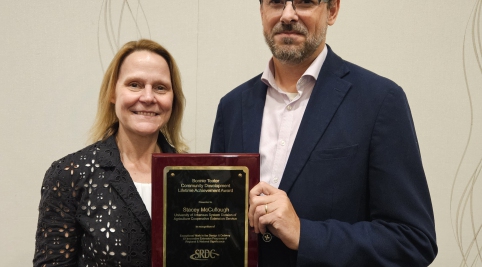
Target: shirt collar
{"type": "Point", "coordinates": [313, 70]}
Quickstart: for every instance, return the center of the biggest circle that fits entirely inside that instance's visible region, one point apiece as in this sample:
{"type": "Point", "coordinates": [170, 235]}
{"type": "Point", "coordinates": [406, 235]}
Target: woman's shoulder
{"type": "Point", "coordinates": [82, 154]}
{"type": "Point", "coordinates": [85, 160]}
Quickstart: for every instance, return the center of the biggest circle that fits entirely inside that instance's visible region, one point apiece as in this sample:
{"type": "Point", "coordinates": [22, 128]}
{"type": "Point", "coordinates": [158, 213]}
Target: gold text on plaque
{"type": "Point", "coordinates": [204, 254]}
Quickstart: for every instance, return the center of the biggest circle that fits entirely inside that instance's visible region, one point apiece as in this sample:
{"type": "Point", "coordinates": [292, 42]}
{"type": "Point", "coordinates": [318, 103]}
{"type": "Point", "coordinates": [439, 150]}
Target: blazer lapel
{"type": "Point", "coordinates": [327, 95]}
{"type": "Point", "coordinates": [253, 101]}
{"type": "Point", "coordinates": [122, 183]}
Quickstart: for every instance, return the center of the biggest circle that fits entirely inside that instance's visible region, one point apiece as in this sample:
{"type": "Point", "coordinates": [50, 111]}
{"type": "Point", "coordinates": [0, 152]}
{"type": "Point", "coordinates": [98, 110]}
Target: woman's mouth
{"type": "Point", "coordinates": [144, 113]}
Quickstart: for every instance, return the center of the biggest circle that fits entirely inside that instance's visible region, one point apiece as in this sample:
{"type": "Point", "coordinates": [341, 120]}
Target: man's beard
{"type": "Point", "coordinates": [287, 53]}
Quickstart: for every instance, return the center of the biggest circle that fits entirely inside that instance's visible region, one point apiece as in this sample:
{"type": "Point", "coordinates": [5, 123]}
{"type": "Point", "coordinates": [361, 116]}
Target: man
{"type": "Point", "coordinates": [342, 183]}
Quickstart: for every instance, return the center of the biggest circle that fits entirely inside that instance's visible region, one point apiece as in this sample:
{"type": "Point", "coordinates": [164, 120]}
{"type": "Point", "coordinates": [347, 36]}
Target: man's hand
{"type": "Point", "coordinates": [271, 208]}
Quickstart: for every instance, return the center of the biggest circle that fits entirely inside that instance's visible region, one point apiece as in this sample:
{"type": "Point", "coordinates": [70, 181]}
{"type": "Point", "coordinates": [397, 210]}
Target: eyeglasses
{"type": "Point", "coordinates": [298, 5]}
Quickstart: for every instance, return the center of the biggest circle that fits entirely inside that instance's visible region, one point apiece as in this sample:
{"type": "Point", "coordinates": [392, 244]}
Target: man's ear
{"type": "Point", "coordinates": [333, 12]}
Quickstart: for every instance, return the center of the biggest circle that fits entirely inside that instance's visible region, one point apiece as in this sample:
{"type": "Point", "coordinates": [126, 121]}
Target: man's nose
{"type": "Point", "coordinates": [289, 14]}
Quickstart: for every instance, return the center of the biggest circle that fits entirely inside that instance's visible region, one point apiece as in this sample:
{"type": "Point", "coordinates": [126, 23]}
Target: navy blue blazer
{"type": "Point", "coordinates": [354, 175]}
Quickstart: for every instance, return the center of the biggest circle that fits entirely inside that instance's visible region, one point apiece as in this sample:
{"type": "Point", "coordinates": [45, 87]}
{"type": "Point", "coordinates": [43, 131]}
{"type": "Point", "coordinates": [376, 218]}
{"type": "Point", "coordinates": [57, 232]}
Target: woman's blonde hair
{"type": "Point", "coordinates": [106, 122]}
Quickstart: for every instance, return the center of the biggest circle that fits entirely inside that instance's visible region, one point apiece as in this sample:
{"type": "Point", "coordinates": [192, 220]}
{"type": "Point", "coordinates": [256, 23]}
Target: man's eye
{"type": "Point", "coordinates": [276, 2]}
{"type": "Point", "coordinates": [305, 2]}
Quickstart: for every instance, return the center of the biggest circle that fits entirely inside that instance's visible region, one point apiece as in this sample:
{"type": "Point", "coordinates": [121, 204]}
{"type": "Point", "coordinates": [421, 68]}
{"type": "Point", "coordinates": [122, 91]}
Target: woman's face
{"type": "Point", "coordinates": [143, 94]}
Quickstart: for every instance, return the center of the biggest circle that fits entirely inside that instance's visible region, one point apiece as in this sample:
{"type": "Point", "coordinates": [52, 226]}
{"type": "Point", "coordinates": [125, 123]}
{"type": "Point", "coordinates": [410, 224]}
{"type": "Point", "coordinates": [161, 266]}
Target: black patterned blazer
{"type": "Point", "coordinates": [90, 212]}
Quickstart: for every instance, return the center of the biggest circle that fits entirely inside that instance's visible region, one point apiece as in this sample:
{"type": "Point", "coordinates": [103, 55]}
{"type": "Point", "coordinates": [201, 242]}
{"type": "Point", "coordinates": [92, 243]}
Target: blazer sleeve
{"type": "Point", "coordinates": [400, 230]}
{"type": "Point", "coordinates": [217, 139]}
{"type": "Point", "coordinates": [58, 234]}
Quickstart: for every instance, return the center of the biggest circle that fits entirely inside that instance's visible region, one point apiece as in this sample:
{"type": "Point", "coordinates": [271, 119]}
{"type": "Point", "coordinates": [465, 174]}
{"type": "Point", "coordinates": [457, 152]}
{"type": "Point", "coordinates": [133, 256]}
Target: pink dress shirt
{"type": "Point", "coordinates": [282, 116]}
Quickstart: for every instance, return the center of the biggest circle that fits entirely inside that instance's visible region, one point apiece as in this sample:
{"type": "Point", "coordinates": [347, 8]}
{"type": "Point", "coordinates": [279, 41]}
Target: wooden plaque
{"type": "Point", "coordinates": [200, 210]}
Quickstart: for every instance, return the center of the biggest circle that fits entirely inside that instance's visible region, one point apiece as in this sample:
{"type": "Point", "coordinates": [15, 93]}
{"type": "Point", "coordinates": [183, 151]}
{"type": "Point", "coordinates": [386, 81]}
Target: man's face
{"type": "Point", "coordinates": [294, 36]}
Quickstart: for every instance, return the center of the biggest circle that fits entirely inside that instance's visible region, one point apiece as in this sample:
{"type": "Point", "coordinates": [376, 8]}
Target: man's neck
{"type": "Point", "coordinates": [287, 75]}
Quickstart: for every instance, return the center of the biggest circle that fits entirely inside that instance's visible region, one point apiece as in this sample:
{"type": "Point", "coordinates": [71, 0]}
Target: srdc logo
{"type": "Point", "coordinates": [204, 254]}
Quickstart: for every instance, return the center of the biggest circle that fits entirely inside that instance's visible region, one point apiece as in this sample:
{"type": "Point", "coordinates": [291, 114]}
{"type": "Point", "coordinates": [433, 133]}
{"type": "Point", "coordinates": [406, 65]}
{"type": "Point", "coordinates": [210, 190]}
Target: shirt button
{"type": "Point", "coordinates": [282, 143]}
{"type": "Point", "coordinates": [288, 107]}
{"type": "Point", "coordinates": [275, 180]}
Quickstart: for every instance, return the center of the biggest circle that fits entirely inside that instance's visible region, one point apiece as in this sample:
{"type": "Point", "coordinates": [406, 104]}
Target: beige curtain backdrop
{"type": "Point", "coordinates": [53, 54]}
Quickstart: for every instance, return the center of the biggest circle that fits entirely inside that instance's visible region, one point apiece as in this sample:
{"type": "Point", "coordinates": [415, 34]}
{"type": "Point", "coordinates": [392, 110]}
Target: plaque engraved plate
{"type": "Point", "coordinates": [199, 210]}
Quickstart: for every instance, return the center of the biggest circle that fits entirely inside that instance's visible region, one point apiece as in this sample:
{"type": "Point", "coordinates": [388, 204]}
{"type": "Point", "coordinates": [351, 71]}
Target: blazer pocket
{"type": "Point", "coordinates": [334, 153]}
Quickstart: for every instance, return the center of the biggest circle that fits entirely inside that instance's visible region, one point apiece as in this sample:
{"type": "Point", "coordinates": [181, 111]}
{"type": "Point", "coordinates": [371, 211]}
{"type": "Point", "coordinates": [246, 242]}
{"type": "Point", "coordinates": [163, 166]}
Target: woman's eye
{"type": "Point", "coordinates": [160, 88]}
{"type": "Point", "coordinates": [134, 85]}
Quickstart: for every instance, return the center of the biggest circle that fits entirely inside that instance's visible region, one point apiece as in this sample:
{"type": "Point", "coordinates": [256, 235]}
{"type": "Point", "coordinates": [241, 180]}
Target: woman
{"type": "Point", "coordinates": [95, 203]}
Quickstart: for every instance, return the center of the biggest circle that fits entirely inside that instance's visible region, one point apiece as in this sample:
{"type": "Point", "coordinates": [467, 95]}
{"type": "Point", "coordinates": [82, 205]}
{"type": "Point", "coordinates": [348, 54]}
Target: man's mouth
{"type": "Point", "coordinates": [290, 32]}
{"type": "Point", "coordinates": [289, 29]}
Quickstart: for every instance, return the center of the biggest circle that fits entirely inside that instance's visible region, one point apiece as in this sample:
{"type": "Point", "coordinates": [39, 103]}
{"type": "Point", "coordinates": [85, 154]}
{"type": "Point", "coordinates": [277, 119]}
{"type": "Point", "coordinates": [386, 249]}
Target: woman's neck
{"type": "Point", "coordinates": [136, 155]}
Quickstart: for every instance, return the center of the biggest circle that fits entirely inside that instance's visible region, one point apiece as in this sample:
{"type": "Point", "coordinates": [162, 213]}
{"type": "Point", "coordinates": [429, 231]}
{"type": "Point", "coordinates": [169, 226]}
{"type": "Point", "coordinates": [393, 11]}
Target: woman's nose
{"type": "Point", "coordinates": [147, 95]}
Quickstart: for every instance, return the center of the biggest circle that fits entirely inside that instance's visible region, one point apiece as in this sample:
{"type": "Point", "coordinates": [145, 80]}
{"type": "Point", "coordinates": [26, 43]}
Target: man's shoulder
{"type": "Point", "coordinates": [362, 76]}
{"type": "Point", "coordinates": [248, 85]}
{"type": "Point", "coordinates": [355, 74]}
{"type": "Point", "coordinates": [366, 84]}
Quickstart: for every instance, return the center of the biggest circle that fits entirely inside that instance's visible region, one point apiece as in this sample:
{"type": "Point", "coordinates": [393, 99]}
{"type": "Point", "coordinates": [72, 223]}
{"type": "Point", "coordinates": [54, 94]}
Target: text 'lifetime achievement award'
{"type": "Point", "coordinates": [200, 210]}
